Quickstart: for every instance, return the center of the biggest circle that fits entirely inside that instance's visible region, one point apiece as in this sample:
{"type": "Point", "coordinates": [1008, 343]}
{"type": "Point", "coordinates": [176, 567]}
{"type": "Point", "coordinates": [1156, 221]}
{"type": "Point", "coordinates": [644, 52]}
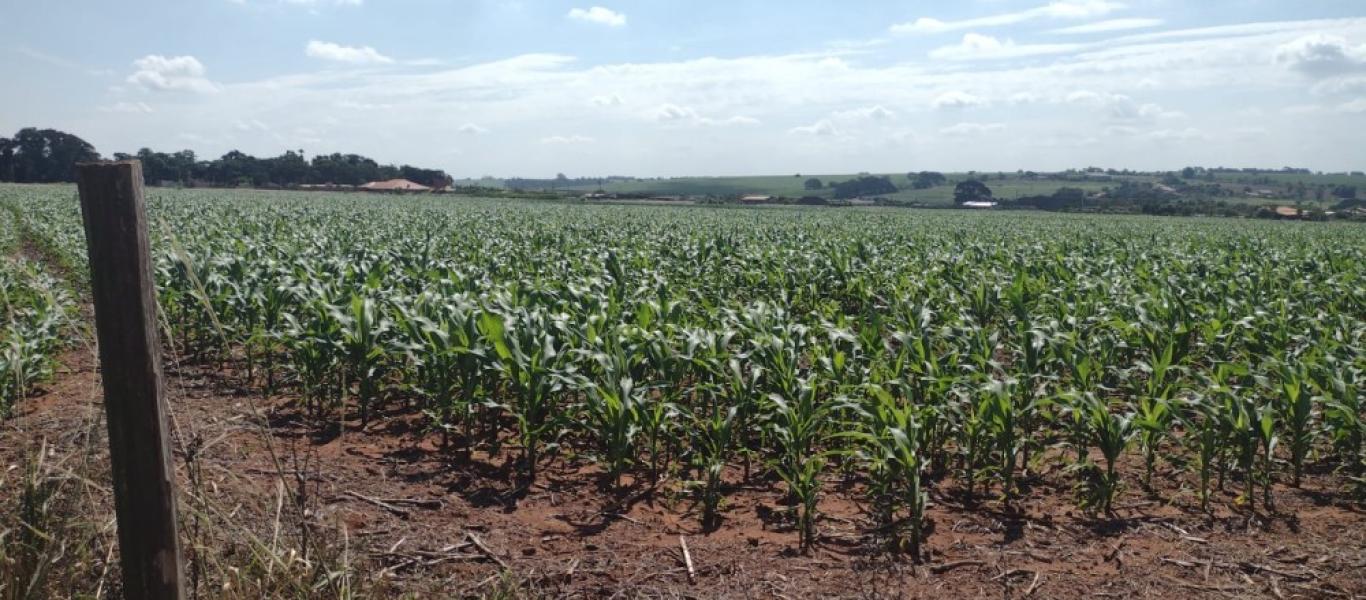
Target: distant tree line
{"type": "Point", "coordinates": [926, 179]}
{"type": "Point", "coordinates": [563, 181]}
{"type": "Point", "coordinates": [286, 170]}
{"type": "Point", "coordinates": [47, 155]}
{"type": "Point", "coordinates": [42, 156]}
{"type": "Point", "coordinates": [863, 186]}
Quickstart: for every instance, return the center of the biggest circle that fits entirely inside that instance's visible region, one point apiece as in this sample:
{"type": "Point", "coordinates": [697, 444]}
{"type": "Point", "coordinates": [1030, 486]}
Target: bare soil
{"type": "Point", "coordinates": [419, 520]}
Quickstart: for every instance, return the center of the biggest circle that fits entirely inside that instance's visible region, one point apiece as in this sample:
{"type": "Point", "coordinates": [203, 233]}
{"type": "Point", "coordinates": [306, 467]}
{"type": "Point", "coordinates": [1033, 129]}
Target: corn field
{"type": "Point", "coordinates": [36, 309]}
{"type": "Point", "coordinates": [903, 350]}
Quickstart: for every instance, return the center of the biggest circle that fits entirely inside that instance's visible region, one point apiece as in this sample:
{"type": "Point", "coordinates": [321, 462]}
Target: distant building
{"type": "Point", "coordinates": [978, 204]}
{"type": "Point", "coordinates": [395, 185]}
{"type": "Point", "coordinates": [755, 199]}
{"type": "Point", "coordinates": [1287, 212]}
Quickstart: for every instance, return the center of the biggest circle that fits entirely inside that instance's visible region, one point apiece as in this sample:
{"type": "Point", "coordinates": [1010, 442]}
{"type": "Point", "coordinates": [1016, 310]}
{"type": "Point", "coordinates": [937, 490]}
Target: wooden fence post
{"type": "Point", "coordinates": [130, 359]}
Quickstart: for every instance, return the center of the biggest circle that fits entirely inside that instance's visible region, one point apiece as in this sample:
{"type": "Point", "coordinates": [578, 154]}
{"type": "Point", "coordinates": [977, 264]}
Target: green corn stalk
{"type": "Point", "coordinates": [1004, 408]}
{"type": "Point", "coordinates": [798, 426]}
{"type": "Point", "coordinates": [1295, 405]}
{"type": "Point", "coordinates": [1112, 434]}
{"type": "Point", "coordinates": [532, 362]}
{"type": "Point", "coordinates": [713, 430]}
{"type": "Point", "coordinates": [888, 443]}
{"type": "Point", "coordinates": [1343, 415]}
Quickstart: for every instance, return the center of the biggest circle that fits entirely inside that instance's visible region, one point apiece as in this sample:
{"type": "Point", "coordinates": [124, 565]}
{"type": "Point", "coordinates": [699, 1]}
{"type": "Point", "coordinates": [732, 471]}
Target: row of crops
{"type": "Point", "coordinates": [34, 309]}
{"type": "Point", "coordinates": [903, 350]}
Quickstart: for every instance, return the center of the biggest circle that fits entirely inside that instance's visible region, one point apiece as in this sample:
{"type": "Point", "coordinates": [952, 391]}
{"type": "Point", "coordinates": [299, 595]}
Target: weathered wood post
{"type": "Point", "coordinates": [130, 361]}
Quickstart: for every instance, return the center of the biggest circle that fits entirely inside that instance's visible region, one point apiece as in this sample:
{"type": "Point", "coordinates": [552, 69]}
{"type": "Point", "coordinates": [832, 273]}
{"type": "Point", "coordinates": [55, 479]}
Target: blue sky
{"type": "Point", "coordinates": [520, 88]}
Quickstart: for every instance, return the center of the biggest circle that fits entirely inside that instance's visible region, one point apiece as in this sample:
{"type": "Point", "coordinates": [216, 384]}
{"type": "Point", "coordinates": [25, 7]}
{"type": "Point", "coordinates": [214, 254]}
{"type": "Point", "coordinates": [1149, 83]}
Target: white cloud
{"type": "Point", "coordinates": [175, 73]}
{"type": "Point", "coordinates": [976, 46]}
{"type": "Point", "coordinates": [1121, 131]}
{"type": "Point", "coordinates": [1080, 9]}
{"type": "Point", "coordinates": [312, 5]}
{"type": "Point", "coordinates": [872, 113]}
{"type": "Point", "coordinates": [472, 129]}
{"type": "Point", "coordinates": [673, 113]}
{"type": "Point", "coordinates": [607, 100]}
{"type": "Point", "coordinates": [1110, 25]}
{"type": "Point", "coordinates": [355, 105]}
{"type": "Point", "coordinates": [1322, 55]}
{"type": "Point", "coordinates": [317, 2]}
{"type": "Point", "coordinates": [1059, 9]}
{"type": "Point", "coordinates": [127, 107]}
{"type": "Point", "coordinates": [972, 129]}
{"type": "Point", "coordinates": [1085, 97]}
{"type": "Point", "coordinates": [1354, 106]}
{"type": "Point", "coordinates": [523, 98]}
{"type": "Point", "coordinates": [737, 120]}
{"type": "Point", "coordinates": [1302, 109]}
{"type": "Point", "coordinates": [1339, 85]}
{"type": "Point", "coordinates": [956, 99]}
{"type": "Point", "coordinates": [1189, 134]}
{"type": "Point", "coordinates": [252, 125]}
{"type": "Point", "coordinates": [356, 55]}
{"type": "Point", "coordinates": [598, 15]}
{"type": "Point", "coordinates": [567, 139]}
{"type": "Point", "coordinates": [1121, 107]}
{"type": "Point", "coordinates": [821, 128]}
{"type": "Point", "coordinates": [921, 25]}
{"type": "Point", "coordinates": [1155, 111]}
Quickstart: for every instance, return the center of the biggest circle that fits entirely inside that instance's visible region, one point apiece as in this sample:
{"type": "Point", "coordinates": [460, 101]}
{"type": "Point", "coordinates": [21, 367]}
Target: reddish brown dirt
{"type": "Point", "coordinates": [567, 537]}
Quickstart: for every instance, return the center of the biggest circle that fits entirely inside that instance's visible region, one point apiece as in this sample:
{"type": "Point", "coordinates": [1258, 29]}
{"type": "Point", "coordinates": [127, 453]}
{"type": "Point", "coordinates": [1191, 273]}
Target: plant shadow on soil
{"type": "Point", "coordinates": [573, 533]}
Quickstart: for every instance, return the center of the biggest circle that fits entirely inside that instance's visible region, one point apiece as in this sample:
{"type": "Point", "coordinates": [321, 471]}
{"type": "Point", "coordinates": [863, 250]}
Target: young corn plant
{"type": "Point", "coordinates": [1112, 434]}
{"type": "Point", "coordinates": [1005, 406]}
{"type": "Point", "coordinates": [1267, 438]}
{"type": "Point", "coordinates": [1208, 428]}
{"type": "Point", "coordinates": [612, 404]}
{"type": "Point", "coordinates": [798, 428]}
{"type": "Point", "coordinates": [1155, 416]}
{"type": "Point", "coordinates": [889, 443]}
{"type": "Point", "coordinates": [365, 351]}
{"type": "Point", "coordinates": [1295, 405]}
{"type": "Point", "coordinates": [533, 362]}
{"type": "Point", "coordinates": [1343, 416]}
{"type": "Point", "coordinates": [713, 427]}
{"type": "Point", "coordinates": [448, 362]}
{"type": "Point", "coordinates": [1205, 435]}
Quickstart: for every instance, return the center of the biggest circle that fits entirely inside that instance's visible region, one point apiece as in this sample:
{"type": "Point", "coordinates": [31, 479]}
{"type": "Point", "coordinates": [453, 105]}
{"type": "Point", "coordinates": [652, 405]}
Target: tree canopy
{"type": "Point", "coordinates": [926, 179]}
{"type": "Point", "coordinates": [971, 191]}
{"type": "Point", "coordinates": [814, 184]}
{"type": "Point", "coordinates": [47, 155]}
{"type": "Point", "coordinates": [43, 156]}
{"type": "Point", "coordinates": [866, 185]}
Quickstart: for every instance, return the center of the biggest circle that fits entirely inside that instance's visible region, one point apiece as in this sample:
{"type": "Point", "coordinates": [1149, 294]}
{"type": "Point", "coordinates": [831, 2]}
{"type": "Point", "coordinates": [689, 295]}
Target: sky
{"type": "Point", "coordinates": [671, 88]}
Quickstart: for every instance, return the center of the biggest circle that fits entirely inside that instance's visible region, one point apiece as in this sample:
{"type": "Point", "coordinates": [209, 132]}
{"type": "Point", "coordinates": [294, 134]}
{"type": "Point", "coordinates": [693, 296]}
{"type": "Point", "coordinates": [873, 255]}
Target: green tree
{"type": "Point", "coordinates": [866, 185]}
{"type": "Point", "coordinates": [971, 191]}
{"type": "Point", "coordinates": [814, 184]}
{"type": "Point", "coordinates": [43, 156]}
{"type": "Point", "coordinates": [926, 179]}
